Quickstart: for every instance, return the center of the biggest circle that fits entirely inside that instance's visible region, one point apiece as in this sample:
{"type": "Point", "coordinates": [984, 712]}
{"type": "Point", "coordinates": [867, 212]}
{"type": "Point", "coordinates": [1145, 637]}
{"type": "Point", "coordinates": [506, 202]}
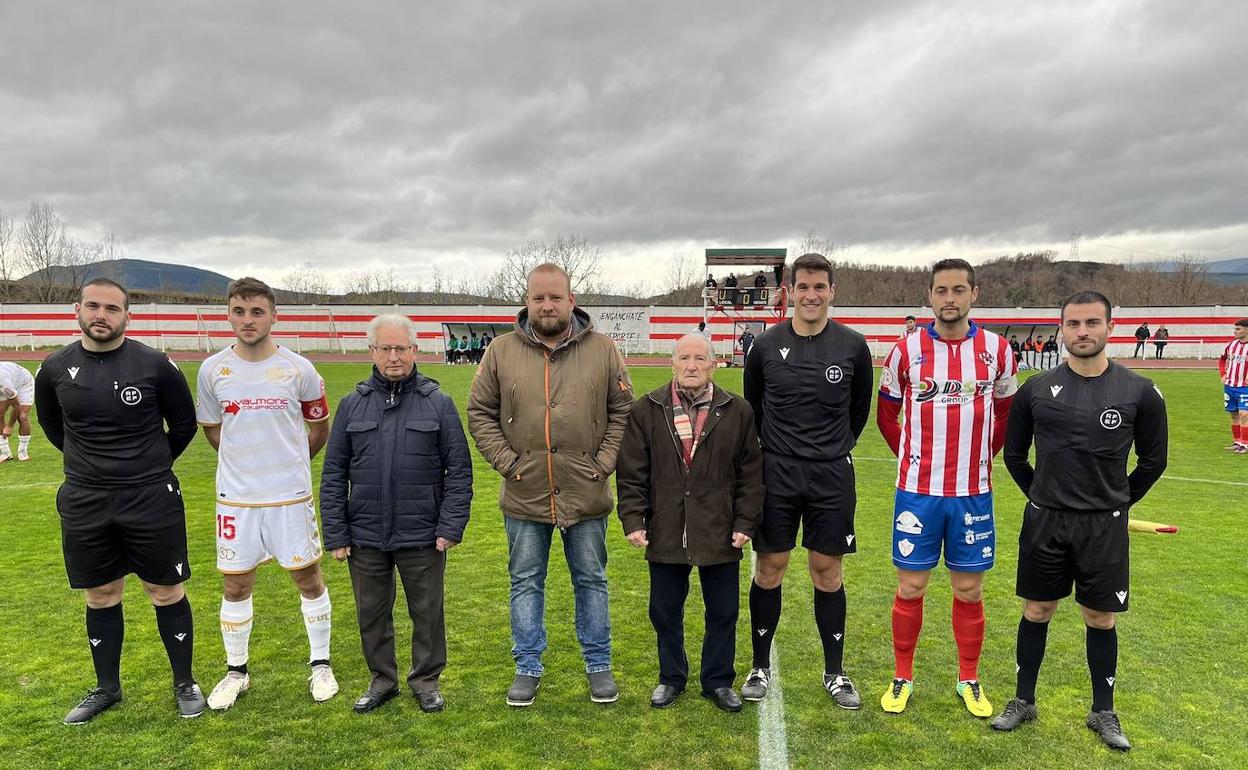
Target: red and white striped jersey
{"type": "Point", "coordinates": [1234, 364]}
{"type": "Point", "coordinates": [947, 389]}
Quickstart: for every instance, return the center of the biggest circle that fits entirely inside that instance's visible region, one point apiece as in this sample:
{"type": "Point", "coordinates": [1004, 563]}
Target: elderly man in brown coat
{"type": "Point", "coordinates": [690, 488]}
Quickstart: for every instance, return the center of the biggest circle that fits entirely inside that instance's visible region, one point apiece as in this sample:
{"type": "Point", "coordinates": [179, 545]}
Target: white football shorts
{"type": "Point", "coordinates": [248, 537]}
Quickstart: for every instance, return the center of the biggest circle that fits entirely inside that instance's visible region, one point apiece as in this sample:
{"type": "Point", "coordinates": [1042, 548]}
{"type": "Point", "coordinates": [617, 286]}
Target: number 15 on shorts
{"type": "Point", "coordinates": [225, 527]}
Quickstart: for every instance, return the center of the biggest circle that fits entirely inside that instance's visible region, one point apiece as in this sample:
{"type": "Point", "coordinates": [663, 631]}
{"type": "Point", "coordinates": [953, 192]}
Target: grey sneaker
{"type": "Point", "coordinates": [523, 690]}
{"type": "Point", "coordinates": [191, 701]}
{"type": "Point", "coordinates": [755, 687]}
{"type": "Point", "coordinates": [1106, 725]}
{"type": "Point", "coordinates": [602, 688]}
{"type": "Point", "coordinates": [842, 691]}
{"type": "Point", "coordinates": [1016, 712]}
{"type": "Point", "coordinates": [97, 702]}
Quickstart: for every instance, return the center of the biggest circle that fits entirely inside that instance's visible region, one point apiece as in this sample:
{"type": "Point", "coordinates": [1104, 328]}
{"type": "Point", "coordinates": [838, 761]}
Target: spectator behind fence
{"type": "Point", "coordinates": [1160, 339]}
{"type": "Point", "coordinates": [1141, 337]}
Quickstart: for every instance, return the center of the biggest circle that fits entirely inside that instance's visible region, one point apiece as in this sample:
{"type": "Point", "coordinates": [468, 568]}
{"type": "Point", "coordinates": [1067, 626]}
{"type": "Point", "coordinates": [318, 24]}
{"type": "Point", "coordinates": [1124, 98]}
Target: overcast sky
{"type": "Point", "coordinates": [251, 137]}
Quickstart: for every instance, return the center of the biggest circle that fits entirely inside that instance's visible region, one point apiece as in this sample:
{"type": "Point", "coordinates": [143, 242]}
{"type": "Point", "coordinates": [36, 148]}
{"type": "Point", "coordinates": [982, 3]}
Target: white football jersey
{"type": "Point", "coordinates": [15, 381]}
{"type": "Point", "coordinates": [261, 408]}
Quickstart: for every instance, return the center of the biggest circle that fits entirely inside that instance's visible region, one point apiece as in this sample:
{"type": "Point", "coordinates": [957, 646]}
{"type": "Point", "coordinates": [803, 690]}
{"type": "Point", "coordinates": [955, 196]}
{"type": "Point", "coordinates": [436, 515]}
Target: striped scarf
{"type": "Point", "coordinates": [688, 430]}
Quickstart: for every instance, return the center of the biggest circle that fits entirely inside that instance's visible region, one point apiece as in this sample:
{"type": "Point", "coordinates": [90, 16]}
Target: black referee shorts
{"type": "Point", "coordinates": [109, 533]}
{"type": "Point", "coordinates": [1087, 548]}
{"type": "Point", "coordinates": [817, 495]}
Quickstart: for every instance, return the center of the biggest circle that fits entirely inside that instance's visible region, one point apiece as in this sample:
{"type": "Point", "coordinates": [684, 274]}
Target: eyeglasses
{"type": "Point", "coordinates": [386, 350]}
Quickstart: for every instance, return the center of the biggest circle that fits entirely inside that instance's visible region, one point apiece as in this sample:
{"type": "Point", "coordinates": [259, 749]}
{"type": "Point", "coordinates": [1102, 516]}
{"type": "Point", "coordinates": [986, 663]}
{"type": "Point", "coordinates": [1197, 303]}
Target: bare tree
{"type": "Point", "coordinates": [683, 279]}
{"type": "Point", "coordinates": [374, 284]}
{"type": "Point", "coordinates": [8, 259]}
{"type": "Point", "coordinates": [307, 284]}
{"type": "Point", "coordinates": [573, 253]}
{"type": "Point", "coordinates": [44, 250]}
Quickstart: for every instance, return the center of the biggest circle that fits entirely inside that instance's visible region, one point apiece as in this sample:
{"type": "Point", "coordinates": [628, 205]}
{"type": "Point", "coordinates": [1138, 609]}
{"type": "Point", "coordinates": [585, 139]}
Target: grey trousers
{"type": "Point", "coordinates": [372, 579]}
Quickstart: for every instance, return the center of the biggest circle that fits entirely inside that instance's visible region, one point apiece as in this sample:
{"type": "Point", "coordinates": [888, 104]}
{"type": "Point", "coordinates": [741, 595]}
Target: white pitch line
{"type": "Point", "coordinates": [1166, 477]}
{"type": "Point", "coordinates": [773, 738]}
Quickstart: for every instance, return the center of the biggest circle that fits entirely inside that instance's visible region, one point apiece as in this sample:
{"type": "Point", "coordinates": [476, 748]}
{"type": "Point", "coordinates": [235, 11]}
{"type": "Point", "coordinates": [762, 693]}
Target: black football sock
{"type": "Point", "coordinates": [1029, 654]}
{"type": "Point", "coordinates": [830, 619]}
{"type": "Point", "coordinates": [176, 627]}
{"type": "Point", "coordinates": [1103, 666]}
{"type": "Point", "coordinates": [764, 617]}
{"type": "Point", "coordinates": [106, 627]}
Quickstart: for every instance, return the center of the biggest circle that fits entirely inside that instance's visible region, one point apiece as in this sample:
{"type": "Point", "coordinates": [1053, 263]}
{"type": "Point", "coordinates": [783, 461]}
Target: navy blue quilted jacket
{"type": "Point", "coordinates": [397, 470]}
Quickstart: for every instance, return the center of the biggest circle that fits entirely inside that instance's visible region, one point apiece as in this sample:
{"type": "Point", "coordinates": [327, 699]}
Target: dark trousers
{"type": "Point", "coordinates": [1139, 346]}
{"type": "Point", "coordinates": [372, 579]}
{"type": "Point", "coordinates": [721, 587]}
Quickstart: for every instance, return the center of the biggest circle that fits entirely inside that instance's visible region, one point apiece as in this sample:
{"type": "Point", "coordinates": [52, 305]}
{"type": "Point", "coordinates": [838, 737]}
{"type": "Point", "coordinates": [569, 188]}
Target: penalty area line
{"type": "Point", "coordinates": [773, 738]}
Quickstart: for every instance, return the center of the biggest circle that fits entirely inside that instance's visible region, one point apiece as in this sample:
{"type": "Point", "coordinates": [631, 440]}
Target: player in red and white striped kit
{"type": "Point", "coordinates": [952, 383]}
{"type": "Point", "coordinates": [1233, 366]}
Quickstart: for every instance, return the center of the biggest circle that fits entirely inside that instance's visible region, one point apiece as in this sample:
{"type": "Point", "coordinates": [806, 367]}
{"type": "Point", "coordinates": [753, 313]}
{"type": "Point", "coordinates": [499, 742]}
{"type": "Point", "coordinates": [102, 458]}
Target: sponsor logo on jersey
{"type": "Point", "coordinates": [909, 523]}
{"type": "Point", "coordinates": [1111, 419]}
{"type": "Point", "coordinates": [224, 371]}
{"type": "Point", "coordinates": [1109, 680]}
{"type": "Point", "coordinates": [1122, 596]}
{"type": "Point", "coordinates": [987, 552]}
{"type": "Point", "coordinates": [784, 354]}
{"type": "Point", "coordinates": [73, 372]}
{"type": "Point", "coordinates": [950, 392]}
{"type": "Point", "coordinates": [1055, 389]}
{"type": "Point", "coordinates": [849, 540]}
{"type": "Point", "coordinates": [905, 547]}
{"type": "Point", "coordinates": [180, 636]}
{"type": "Point", "coordinates": [834, 374]}
{"type": "Point", "coordinates": [226, 553]}
{"type": "Point", "coordinates": [131, 395]}
{"type": "Point", "coordinates": [969, 518]}
{"type": "Point", "coordinates": [95, 642]}
{"type": "Point", "coordinates": [275, 404]}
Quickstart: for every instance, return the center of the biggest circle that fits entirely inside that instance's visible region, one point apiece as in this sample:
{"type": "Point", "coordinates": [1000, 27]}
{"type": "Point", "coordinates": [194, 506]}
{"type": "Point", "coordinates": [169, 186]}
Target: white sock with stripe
{"type": "Point", "coordinates": [316, 614]}
{"type": "Point", "coordinates": [236, 620]}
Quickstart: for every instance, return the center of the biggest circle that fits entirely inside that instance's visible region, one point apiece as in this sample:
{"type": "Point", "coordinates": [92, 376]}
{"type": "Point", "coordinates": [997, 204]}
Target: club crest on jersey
{"type": "Point", "coordinates": [834, 374]}
{"type": "Point", "coordinates": [1111, 419]}
{"type": "Point", "coordinates": [905, 547]}
{"type": "Point", "coordinates": [987, 358]}
{"type": "Point", "coordinates": [280, 374]}
{"type": "Point", "coordinates": [131, 395]}
{"type": "Point", "coordinates": [886, 378]}
{"type": "Point", "coordinates": [970, 537]}
{"type": "Point", "coordinates": [950, 391]}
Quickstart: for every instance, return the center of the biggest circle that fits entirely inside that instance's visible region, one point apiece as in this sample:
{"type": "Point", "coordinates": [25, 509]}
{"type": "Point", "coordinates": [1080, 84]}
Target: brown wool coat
{"type": "Point", "coordinates": [690, 515]}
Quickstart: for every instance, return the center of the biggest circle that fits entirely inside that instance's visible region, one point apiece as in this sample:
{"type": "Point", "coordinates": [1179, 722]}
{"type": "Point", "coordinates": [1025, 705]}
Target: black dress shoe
{"type": "Point", "coordinates": [430, 701]}
{"type": "Point", "coordinates": [665, 695]}
{"type": "Point", "coordinates": [724, 698]}
{"type": "Point", "coordinates": [372, 699]}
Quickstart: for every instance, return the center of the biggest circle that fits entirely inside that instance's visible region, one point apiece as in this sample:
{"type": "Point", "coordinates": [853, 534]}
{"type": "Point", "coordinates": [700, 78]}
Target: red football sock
{"type": "Point", "coordinates": [1239, 432]}
{"type": "Point", "coordinates": [1235, 431]}
{"type": "Point", "coordinates": [968, 632]}
{"type": "Point", "coordinates": [907, 623]}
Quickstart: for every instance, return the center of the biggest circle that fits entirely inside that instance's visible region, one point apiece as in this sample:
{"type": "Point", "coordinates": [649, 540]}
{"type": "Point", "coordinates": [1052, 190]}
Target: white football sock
{"type": "Point", "coordinates": [236, 620]}
{"type": "Point", "coordinates": [316, 620]}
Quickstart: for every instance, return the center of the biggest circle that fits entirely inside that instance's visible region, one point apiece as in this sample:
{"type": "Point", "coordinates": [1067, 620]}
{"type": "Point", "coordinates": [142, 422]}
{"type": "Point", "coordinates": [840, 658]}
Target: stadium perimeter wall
{"type": "Point", "coordinates": [1195, 332]}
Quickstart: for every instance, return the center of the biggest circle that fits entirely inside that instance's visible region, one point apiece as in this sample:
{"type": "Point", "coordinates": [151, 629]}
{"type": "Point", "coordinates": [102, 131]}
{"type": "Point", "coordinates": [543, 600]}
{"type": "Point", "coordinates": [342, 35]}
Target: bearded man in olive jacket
{"type": "Point", "coordinates": [690, 488]}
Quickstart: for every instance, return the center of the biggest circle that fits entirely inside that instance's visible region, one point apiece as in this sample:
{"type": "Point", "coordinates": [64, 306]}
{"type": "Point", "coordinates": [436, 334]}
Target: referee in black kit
{"type": "Point", "coordinates": [104, 402]}
{"type": "Point", "coordinates": [1084, 415]}
{"type": "Point", "coordinates": [810, 382]}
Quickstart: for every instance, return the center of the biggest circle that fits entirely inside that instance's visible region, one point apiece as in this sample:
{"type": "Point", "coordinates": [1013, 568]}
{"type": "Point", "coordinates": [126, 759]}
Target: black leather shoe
{"type": "Point", "coordinates": [430, 701]}
{"type": "Point", "coordinates": [724, 698]}
{"type": "Point", "coordinates": [372, 700]}
{"type": "Point", "coordinates": [665, 695]}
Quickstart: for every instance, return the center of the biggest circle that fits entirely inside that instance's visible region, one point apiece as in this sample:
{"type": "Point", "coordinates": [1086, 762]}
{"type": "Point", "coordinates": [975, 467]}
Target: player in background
{"type": "Point", "coordinates": [17, 394]}
{"type": "Point", "coordinates": [912, 326]}
{"type": "Point", "coordinates": [809, 382]}
{"type": "Point", "coordinates": [255, 398]}
{"type": "Point", "coordinates": [1233, 366]}
{"type": "Point", "coordinates": [1084, 416]}
{"type": "Point", "coordinates": [952, 383]}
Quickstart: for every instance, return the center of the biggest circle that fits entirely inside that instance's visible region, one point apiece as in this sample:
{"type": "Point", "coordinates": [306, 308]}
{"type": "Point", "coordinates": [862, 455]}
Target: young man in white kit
{"type": "Point", "coordinates": [254, 399]}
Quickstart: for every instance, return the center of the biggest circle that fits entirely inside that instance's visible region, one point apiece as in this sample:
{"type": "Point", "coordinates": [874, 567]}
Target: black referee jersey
{"type": "Point", "coordinates": [1084, 428]}
{"type": "Point", "coordinates": [811, 394]}
{"type": "Point", "coordinates": [106, 412]}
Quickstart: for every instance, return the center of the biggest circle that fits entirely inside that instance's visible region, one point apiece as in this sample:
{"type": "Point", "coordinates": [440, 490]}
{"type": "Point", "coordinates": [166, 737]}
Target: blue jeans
{"type": "Point", "coordinates": [585, 548]}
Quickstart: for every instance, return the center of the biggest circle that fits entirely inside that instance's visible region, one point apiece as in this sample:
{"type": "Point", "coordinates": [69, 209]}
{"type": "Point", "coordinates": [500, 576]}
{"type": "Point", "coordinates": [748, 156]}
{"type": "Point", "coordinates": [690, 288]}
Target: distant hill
{"type": "Point", "coordinates": [140, 275]}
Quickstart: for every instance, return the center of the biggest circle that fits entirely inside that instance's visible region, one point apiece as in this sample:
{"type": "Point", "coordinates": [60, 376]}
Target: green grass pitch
{"type": "Point", "coordinates": [1181, 692]}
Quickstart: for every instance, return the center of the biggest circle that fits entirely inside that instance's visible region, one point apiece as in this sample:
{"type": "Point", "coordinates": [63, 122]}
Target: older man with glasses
{"type": "Point", "coordinates": [395, 494]}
